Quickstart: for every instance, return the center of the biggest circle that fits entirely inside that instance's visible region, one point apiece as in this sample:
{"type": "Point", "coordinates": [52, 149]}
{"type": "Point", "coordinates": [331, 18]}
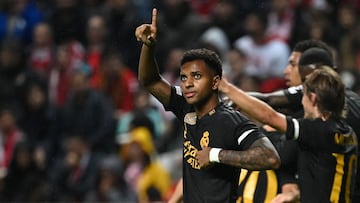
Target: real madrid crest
{"type": "Point", "coordinates": [204, 141]}
{"type": "Point", "coordinates": [190, 118]}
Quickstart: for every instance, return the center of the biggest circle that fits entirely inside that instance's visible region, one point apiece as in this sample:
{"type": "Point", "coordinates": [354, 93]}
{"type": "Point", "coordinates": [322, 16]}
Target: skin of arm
{"type": "Point", "coordinates": [177, 195]}
{"type": "Point", "coordinates": [290, 193]}
{"type": "Point", "coordinates": [260, 156]}
{"type": "Point", "coordinates": [255, 108]}
{"type": "Point", "coordinates": [149, 75]}
{"type": "Point", "coordinates": [274, 99]}
{"type": "Point", "coordinates": [263, 113]}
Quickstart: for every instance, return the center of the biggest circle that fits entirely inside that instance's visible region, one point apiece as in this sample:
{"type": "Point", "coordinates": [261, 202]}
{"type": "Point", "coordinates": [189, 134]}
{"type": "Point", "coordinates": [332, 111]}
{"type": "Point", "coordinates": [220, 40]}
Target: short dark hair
{"type": "Point", "coordinates": [304, 45]}
{"type": "Point", "coordinates": [211, 59]}
{"type": "Point", "coordinates": [316, 56]}
{"type": "Point", "coordinates": [312, 59]}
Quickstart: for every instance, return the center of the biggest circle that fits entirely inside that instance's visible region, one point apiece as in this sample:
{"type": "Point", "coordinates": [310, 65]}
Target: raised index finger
{"type": "Point", "coordinates": [154, 18]}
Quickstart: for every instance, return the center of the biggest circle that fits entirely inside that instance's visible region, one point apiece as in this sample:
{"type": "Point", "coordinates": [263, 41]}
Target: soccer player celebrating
{"type": "Point", "coordinates": [218, 140]}
{"type": "Point", "coordinates": [328, 146]}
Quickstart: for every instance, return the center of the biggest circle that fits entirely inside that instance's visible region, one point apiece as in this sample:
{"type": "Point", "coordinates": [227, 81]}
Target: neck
{"type": "Point", "coordinates": [325, 117]}
{"type": "Point", "coordinates": [205, 108]}
{"type": "Point", "coordinates": [318, 114]}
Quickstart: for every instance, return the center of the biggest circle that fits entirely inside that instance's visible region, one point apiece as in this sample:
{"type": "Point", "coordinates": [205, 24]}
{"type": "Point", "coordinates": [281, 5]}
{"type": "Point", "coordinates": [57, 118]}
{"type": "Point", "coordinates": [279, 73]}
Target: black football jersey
{"type": "Point", "coordinates": [327, 159]}
{"type": "Point", "coordinates": [223, 127]}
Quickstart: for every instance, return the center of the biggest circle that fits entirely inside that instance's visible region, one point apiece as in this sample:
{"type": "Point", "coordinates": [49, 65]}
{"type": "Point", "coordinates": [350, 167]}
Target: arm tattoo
{"type": "Point", "coordinates": [260, 156]}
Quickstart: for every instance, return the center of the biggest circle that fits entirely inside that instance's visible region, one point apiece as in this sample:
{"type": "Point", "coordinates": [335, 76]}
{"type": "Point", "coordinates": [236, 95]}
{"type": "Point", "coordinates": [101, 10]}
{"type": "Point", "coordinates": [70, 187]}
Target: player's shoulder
{"type": "Point", "coordinates": [353, 103]}
{"type": "Point", "coordinates": [353, 96]}
{"type": "Point", "coordinates": [294, 90]}
{"type": "Point", "coordinates": [329, 125]}
{"type": "Point", "coordinates": [229, 113]}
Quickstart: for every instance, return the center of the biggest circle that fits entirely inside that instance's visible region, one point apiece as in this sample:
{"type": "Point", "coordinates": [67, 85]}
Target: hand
{"type": "Point", "coordinates": [146, 33]}
{"type": "Point", "coordinates": [268, 128]}
{"type": "Point", "coordinates": [285, 198]}
{"type": "Point", "coordinates": [290, 193]}
{"type": "Point", "coordinates": [223, 85]}
{"type": "Point", "coordinates": [202, 157]}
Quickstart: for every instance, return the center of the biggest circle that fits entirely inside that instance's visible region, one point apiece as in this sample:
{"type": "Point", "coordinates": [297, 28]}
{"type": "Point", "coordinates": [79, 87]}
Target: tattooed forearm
{"type": "Point", "coordinates": [258, 157]}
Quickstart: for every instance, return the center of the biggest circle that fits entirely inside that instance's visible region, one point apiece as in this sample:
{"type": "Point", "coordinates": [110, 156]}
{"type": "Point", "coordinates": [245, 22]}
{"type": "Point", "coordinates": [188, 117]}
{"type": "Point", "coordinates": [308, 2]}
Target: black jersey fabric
{"type": "Point", "coordinates": [263, 186]}
{"type": "Point", "coordinates": [352, 100]}
{"type": "Point", "coordinates": [257, 186]}
{"type": "Point", "coordinates": [294, 96]}
{"type": "Point", "coordinates": [327, 159]}
{"type": "Point", "coordinates": [223, 127]}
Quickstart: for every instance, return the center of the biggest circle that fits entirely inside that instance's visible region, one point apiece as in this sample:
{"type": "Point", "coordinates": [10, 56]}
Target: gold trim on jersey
{"type": "Point", "coordinates": [339, 175]}
{"type": "Point", "coordinates": [189, 155]}
{"type": "Point", "coordinates": [272, 186]}
{"type": "Point", "coordinates": [349, 178]}
{"type": "Point", "coordinates": [251, 184]}
{"type": "Point", "coordinates": [336, 188]}
{"type": "Point", "coordinates": [204, 141]}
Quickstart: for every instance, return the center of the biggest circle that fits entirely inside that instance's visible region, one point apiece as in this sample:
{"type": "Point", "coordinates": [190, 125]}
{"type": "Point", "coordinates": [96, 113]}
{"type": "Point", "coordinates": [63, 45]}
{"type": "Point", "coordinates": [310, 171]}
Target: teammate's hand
{"type": "Point", "coordinates": [146, 33]}
{"type": "Point", "coordinates": [224, 85]}
{"type": "Point", "coordinates": [202, 156]}
{"type": "Point", "coordinates": [286, 198]}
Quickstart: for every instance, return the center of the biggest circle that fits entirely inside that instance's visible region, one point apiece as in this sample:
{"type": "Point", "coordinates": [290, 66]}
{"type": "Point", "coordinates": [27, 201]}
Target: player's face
{"type": "Point", "coordinates": [291, 72]}
{"type": "Point", "coordinates": [197, 82]}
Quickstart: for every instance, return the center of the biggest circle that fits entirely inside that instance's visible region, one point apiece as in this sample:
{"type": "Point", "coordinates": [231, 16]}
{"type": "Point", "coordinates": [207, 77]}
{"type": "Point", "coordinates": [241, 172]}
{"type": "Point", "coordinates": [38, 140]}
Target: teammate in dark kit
{"type": "Point", "coordinates": [281, 185]}
{"type": "Point", "coordinates": [218, 140]}
{"type": "Point", "coordinates": [310, 60]}
{"type": "Point", "coordinates": [327, 145]}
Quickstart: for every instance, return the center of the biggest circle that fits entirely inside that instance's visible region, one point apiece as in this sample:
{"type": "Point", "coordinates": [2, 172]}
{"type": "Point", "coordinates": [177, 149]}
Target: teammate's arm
{"type": "Point", "coordinates": [253, 107]}
{"type": "Point", "coordinates": [149, 74]}
{"type": "Point", "coordinates": [274, 99]}
{"type": "Point", "coordinates": [290, 193]}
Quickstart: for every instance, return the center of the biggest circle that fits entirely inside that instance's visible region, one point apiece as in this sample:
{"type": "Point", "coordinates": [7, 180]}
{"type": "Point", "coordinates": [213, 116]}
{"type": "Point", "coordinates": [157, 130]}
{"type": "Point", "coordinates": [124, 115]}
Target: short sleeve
{"type": "Point", "coordinates": [177, 103]}
{"type": "Point", "coordinates": [247, 133]}
{"type": "Point", "coordinates": [294, 96]}
{"type": "Point", "coordinates": [315, 134]}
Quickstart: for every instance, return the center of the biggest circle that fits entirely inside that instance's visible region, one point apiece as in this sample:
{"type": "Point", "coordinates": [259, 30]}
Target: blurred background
{"type": "Point", "coordinates": [75, 125]}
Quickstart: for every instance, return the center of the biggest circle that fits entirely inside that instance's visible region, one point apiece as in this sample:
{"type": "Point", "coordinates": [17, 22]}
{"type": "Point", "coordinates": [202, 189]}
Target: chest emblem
{"type": "Point", "coordinates": [204, 141]}
{"type": "Point", "coordinates": [190, 118]}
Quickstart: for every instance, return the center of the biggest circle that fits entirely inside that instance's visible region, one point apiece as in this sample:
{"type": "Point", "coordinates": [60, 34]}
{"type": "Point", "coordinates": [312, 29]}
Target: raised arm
{"type": "Point", "coordinates": [149, 74]}
{"type": "Point", "coordinates": [274, 99]}
{"type": "Point", "coordinates": [253, 107]}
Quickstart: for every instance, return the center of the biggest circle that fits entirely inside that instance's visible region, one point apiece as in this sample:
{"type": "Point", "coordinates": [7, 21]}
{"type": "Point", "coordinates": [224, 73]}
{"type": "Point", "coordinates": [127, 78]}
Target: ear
{"type": "Point", "coordinates": [313, 99]}
{"type": "Point", "coordinates": [216, 82]}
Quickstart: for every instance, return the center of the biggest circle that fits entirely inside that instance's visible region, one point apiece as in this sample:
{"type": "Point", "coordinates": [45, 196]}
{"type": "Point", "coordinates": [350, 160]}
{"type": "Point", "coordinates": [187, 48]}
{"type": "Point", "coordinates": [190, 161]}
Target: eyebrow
{"type": "Point", "coordinates": [191, 73]}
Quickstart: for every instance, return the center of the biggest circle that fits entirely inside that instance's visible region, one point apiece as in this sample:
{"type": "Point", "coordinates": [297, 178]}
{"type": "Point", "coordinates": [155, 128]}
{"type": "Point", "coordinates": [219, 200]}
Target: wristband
{"type": "Point", "coordinates": [214, 155]}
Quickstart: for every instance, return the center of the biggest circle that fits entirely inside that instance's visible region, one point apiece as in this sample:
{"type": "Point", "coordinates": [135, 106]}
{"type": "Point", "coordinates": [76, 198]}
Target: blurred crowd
{"type": "Point", "coordinates": [75, 125]}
